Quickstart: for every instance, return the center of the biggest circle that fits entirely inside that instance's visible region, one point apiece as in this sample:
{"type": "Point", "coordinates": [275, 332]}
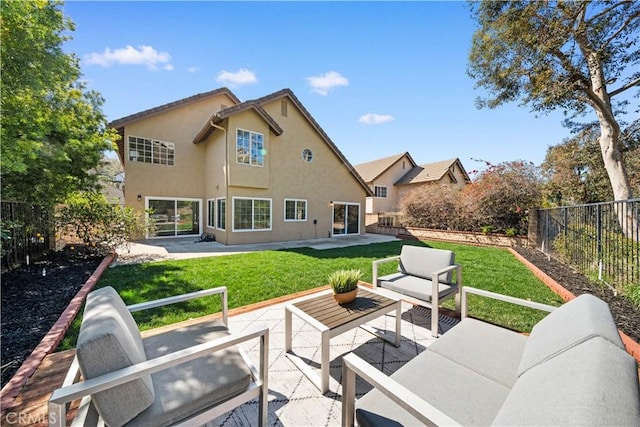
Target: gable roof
{"type": "Point", "coordinates": [219, 116]}
{"type": "Point", "coordinates": [432, 172]}
{"type": "Point", "coordinates": [120, 123]}
{"type": "Point", "coordinates": [373, 169]}
{"type": "Point", "coordinates": [257, 104]}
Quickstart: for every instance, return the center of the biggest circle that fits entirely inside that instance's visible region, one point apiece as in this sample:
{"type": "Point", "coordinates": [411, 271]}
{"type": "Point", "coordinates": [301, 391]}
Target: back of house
{"type": "Point", "coordinates": [246, 172]}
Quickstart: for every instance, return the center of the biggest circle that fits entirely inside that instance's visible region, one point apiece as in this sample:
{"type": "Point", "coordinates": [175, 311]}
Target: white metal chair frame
{"type": "Point", "coordinates": [258, 388]}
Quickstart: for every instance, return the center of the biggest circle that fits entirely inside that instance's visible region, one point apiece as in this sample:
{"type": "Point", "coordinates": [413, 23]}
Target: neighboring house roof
{"type": "Point", "coordinates": [373, 169]}
{"type": "Point", "coordinates": [256, 104]}
{"type": "Point", "coordinates": [119, 124]}
{"type": "Point", "coordinates": [113, 194]}
{"type": "Point", "coordinates": [432, 172]}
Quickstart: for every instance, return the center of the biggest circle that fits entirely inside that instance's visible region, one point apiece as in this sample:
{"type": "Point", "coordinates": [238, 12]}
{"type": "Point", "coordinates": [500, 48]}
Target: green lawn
{"type": "Point", "coordinates": [259, 276]}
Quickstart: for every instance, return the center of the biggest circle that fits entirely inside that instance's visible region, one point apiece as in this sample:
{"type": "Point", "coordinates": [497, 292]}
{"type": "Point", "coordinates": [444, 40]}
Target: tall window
{"type": "Point", "coordinates": [211, 210]}
{"type": "Point", "coordinates": [295, 210]}
{"type": "Point", "coordinates": [222, 213]}
{"type": "Point", "coordinates": [251, 214]}
{"type": "Point", "coordinates": [249, 148]}
{"type": "Point", "coordinates": [151, 151]}
{"type": "Point", "coordinates": [380, 191]}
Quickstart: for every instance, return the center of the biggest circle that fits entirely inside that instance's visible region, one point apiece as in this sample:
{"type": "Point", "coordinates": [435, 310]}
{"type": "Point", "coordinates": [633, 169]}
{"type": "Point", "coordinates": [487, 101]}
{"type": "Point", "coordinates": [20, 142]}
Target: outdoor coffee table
{"type": "Point", "coordinates": [323, 313]}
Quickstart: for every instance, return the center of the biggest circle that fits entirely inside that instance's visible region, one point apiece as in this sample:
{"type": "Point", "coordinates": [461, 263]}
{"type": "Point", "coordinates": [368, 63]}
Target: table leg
{"type": "Point", "coordinates": [324, 363]}
{"type": "Point", "coordinates": [288, 335]}
{"type": "Point", "coordinates": [398, 322]}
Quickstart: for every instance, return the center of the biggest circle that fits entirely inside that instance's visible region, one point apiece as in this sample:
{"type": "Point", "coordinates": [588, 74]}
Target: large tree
{"type": "Point", "coordinates": [575, 172]}
{"type": "Point", "coordinates": [53, 130]}
{"type": "Point", "coordinates": [573, 55]}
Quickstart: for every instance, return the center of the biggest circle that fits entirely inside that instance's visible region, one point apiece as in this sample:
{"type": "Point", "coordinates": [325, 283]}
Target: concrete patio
{"type": "Point", "coordinates": [293, 399]}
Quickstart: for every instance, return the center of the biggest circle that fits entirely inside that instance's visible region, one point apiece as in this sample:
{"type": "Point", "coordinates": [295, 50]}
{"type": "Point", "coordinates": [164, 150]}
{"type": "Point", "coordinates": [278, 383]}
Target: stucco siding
{"type": "Point", "coordinates": [185, 177]}
{"type": "Point", "coordinates": [318, 182]}
{"type": "Point", "coordinates": [388, 179]}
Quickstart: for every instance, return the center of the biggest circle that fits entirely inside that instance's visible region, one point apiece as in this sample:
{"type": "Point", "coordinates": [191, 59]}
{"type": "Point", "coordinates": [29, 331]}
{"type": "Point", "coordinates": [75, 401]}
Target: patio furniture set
{"type": "Point", "coordinates": [474, 374]}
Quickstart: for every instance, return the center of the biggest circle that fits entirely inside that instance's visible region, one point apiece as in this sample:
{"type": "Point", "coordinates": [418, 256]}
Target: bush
{"type": "Point", "coordinates": [102, 227]}
{"type": "Point", "coordinates": [497, 202]}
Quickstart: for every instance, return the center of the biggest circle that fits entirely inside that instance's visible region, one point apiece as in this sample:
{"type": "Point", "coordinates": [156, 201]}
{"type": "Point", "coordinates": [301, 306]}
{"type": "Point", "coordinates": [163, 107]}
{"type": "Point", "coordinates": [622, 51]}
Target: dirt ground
{"type": "Point", "coordinates": [33, 297]}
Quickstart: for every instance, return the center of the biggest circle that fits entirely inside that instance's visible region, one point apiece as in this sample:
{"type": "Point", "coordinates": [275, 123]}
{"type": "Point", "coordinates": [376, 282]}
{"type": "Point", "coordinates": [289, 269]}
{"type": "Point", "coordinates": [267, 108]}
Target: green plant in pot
{"type": "Point", "coordinates": [345, 285]}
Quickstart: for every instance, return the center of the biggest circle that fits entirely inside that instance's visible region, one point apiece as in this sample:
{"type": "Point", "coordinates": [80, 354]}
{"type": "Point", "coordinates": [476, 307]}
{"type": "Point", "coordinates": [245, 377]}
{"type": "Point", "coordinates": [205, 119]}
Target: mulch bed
{"type": "Point", "coordinates": [33, 302]}
{"type": "Point", "coordinates": [34, 297]}
{"type": "Point", "coordinates": [626, 315]}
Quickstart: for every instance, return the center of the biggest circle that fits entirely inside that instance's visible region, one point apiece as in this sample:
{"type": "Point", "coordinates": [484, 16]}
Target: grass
{"type": "Point", "coordinates": [259, 276]}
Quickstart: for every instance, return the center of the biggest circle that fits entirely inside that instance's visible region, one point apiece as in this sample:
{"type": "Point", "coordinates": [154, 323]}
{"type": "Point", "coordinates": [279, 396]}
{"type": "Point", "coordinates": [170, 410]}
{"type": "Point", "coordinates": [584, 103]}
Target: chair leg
{"type": "Point", "coordinates": [434, 320]}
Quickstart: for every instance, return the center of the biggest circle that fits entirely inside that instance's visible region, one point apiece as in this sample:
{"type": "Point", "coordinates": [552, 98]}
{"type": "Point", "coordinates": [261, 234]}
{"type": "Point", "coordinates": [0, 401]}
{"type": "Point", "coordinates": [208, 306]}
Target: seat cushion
{"type": "Point", "coordinates": [423, 262]}
{"type": "Point", "coordinates": [574, 322]}
{"type": "Point", "coordinates": [188, 388]}
{"type": "Point", "coordinates": [488, 350]}
{"type": "Point", "coordinates": [461, 394]}
{"type": "Point", "coordinates": [414, 286]}
{"type": "Point", "coordinates": [109, 340]}
{"type": "Point", "coordinates": [594, 383]}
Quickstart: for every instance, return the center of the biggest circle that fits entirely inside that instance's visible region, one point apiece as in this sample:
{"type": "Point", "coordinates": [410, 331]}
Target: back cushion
{"type": "Point", "coordinates": [572, 323]}
{"type": "Point", "coordinates": [109, 340]}
{"type": "Point", "coordinates": [592, 384]}
{"type": "Point", "coordinates": [423, 262]}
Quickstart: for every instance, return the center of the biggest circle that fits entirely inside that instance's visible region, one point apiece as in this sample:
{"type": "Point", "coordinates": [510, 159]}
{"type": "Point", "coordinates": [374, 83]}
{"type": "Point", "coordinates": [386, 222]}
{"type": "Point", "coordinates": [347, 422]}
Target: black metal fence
{"type": "Point", "coordinates": [600, 240]}
{"type": "Point", "coordinates": [27, 233]}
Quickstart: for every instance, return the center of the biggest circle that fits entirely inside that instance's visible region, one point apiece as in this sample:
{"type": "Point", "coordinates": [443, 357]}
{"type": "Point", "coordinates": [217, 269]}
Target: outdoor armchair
{"type": "Point", "coordinates": [187, 375]}
{"type": "Point", "coordinates": [424, 277]}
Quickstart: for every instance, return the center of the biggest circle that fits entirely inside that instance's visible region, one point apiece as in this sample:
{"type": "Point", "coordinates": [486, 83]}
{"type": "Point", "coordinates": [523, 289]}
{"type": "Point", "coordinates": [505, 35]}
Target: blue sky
{"type": "Point", "coordinates": [380, 78]}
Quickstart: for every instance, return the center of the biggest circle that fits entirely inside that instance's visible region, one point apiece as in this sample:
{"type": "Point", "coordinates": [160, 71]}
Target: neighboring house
{"type": "Point", "coordinates": [247, 172]}
{"type": "Point", "coordinates": [391, 178]}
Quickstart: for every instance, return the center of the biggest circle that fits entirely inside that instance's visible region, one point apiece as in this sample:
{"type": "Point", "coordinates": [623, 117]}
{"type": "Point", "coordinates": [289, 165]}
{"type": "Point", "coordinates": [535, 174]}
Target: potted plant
{"type": "Point", "coordinates": [345, 285]}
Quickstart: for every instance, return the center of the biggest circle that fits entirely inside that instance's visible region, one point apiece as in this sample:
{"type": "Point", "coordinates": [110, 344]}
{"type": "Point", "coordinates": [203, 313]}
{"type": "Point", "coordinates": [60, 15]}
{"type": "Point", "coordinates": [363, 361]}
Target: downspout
{"type": "Point", "coordinates": [226, 179]}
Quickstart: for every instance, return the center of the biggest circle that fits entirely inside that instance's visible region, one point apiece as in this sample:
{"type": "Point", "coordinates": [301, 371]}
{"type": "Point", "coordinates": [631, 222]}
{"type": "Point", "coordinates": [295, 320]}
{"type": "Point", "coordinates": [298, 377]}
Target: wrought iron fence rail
{"type": "Point", "coordinates": [601, 240]}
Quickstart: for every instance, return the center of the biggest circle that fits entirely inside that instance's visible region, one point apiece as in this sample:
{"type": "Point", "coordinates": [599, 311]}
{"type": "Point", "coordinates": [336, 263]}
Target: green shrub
{"type": "Point", "coordinates": [102, 227]}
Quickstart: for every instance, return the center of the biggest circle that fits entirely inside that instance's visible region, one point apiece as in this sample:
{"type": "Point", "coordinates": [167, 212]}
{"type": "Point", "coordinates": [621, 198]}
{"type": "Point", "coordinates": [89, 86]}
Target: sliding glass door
{"type": "Point", "coordinates": [174, 217]}
{"type": "Point", "coordinates": [346, 218]}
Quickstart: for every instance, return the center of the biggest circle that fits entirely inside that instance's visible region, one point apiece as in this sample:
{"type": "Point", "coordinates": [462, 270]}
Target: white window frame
{"type": "Point", "coordinates": [296, 202]}
{"type": "Point", "coordinates": [211, 213]}
{"type": "Point", "coordinates": [381, 187]}
{"type": "Point", "coordinates": [253, 226]}
{"type": "Point", "coordinates": [158, 152]}
{"type": "Point", "coordinates": [221, 218]}
{"type": "Point", "coordinates": [260, 157]}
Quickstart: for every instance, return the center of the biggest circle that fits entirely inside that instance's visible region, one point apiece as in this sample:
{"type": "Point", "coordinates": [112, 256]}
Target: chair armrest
{"type": "Point", "coordinates": [67, 394]}
{"type": "Point", "coordinates": [518, 301]}
{"type": "Point", "coordinates": [376, 263]}
{"type": "Point", "coordinates": [353, 365]}
{"type": "Point", "coordinates": [186, 297]}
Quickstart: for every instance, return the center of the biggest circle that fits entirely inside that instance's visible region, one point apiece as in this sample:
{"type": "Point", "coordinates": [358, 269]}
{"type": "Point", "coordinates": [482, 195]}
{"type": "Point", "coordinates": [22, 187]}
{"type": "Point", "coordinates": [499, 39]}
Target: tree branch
{"type": "Point", "coordinates": [621, 89]}
{"type": "Point", "coordinates": [622, 27]}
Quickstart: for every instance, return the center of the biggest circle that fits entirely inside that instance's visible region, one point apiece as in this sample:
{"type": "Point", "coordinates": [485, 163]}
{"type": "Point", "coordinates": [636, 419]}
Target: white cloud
{"type": "Point", "coordinates": [375, 119]}
{"type": "Point", "coordinates": [240, 77]}
{"type": "Point", "coordinates": [144, 55]}
{"type": "Point", "coordinates": [329, 81]}
{"type": "Point", "coordinates": [193, 69]}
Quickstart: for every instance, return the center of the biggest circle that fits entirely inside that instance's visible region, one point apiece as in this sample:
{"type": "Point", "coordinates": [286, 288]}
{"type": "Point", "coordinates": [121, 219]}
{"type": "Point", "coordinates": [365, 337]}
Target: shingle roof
{"type": "Point", "coordinates": [430, 172]}
{"type": "Point", "coordinates": [373, 169]}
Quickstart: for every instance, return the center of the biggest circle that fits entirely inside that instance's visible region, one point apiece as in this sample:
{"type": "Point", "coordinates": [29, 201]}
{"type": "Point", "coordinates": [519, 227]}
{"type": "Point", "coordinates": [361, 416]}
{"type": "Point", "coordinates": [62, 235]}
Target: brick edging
{"type": "Point", "coordinates": [633, 348]}
{"type": "Point", "coordinates": [52, 339]}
